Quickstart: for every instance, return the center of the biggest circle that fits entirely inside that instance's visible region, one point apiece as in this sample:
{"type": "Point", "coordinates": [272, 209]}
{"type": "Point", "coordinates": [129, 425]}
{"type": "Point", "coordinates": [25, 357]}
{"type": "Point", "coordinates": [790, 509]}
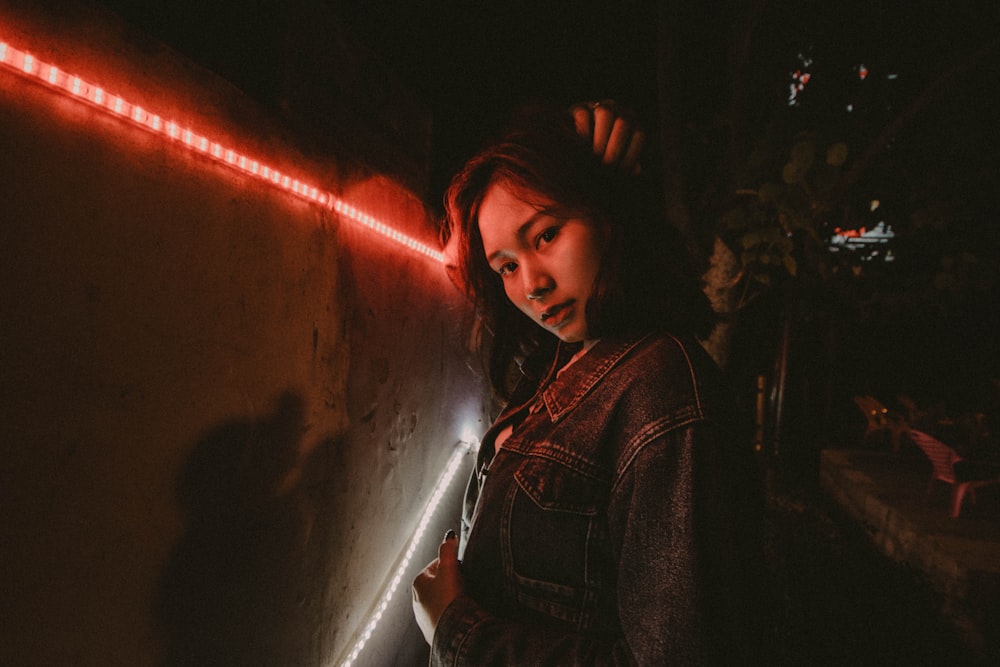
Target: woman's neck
{"type": "Point", "coordinates": [587, 344]}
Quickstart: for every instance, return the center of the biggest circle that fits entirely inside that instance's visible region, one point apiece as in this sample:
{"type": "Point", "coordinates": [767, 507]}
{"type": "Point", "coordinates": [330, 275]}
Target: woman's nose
{"type": "Point", "coordinates": [537, 283]}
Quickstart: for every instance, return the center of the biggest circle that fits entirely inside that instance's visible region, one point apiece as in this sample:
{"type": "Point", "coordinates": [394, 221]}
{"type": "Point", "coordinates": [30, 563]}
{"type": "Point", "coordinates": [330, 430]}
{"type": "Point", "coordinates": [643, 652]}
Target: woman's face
{"type": "Point", "coordinates": [548, 264]}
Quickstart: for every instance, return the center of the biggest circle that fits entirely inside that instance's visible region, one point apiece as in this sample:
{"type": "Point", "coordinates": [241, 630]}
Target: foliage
{"type": "Point", "coordinates": [789, 202]}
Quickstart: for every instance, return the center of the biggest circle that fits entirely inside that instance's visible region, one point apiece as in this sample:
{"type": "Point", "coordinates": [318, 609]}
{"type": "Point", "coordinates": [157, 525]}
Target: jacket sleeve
{"type": "Point", "coordinates": [672, 530]}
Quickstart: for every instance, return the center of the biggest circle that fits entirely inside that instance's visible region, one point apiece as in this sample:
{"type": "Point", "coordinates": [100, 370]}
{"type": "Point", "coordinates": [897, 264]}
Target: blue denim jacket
{"type": "Point", "coordinates": [617, 525]}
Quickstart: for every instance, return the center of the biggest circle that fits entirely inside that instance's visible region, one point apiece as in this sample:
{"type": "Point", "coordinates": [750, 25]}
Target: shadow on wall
{"type": "Point", "coordinates": [236, 589]}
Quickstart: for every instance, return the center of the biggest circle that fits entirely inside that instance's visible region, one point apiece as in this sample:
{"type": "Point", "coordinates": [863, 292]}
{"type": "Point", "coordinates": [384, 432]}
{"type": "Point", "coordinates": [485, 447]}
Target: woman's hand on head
{"type": "Point", "coordinates": [437, 586]}
{"type": "Point", "coordinates": [614, 134]}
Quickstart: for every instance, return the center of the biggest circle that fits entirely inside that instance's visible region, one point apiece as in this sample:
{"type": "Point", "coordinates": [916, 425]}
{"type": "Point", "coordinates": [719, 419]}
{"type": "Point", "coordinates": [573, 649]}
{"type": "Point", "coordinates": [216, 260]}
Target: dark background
{"type": "Point", "coordinates": [472, 61]}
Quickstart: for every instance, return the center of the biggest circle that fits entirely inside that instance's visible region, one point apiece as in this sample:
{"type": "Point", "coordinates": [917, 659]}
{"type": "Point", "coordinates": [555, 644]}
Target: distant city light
{"type": "Point", "coordinates": [869, 244]}
{"type": "Point", "coordinates": [800, 77]}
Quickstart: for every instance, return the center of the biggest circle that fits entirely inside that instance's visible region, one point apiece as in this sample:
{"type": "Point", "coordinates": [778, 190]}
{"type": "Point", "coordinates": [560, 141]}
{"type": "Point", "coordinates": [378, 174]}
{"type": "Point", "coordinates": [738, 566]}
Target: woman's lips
{"type": "Point", "coordinates": [557, 315]}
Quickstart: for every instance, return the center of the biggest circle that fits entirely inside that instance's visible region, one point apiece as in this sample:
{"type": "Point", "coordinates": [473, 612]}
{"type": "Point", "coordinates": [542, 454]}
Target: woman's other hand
{"type": "Point", "coordinates": [437, 586]}
{"type": "Point", "coordinates": [616, 136]}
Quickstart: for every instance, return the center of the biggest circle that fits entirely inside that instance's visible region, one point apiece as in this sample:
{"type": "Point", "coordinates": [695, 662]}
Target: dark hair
{"type": "Point", "coordinates": [645, 282]}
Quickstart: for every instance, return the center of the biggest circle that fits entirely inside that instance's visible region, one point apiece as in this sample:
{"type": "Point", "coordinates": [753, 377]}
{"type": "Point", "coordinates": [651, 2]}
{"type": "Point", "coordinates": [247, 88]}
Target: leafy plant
{"type": "Point", "coordinates": [790, 202]}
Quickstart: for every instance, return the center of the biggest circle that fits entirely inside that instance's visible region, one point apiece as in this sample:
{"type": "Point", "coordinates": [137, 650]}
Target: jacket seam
{"type": "Point", "coordinates": [646, 438]}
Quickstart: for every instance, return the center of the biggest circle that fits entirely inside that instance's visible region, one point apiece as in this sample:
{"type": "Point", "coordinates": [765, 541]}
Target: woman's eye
{"type": "Point", "coordinates": [506, 269]}
{"type": "Point", "coordinates": [547, 236]}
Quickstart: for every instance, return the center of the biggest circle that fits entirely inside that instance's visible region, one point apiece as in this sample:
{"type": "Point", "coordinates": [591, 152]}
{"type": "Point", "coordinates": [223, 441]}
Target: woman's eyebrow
{"type": "Point", "coordinates": [522, 232]}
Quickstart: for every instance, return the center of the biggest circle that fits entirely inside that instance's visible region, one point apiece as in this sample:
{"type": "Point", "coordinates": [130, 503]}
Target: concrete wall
{"type": "Point", "coordinates": [221, 408]}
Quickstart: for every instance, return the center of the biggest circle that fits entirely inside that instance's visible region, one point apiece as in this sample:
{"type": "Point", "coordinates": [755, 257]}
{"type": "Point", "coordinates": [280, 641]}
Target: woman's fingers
{"type": "Point", "coordinates": [437, 586]}
{"type": "Point", "coordinates": [631, 160]}
{"type": "Point", "coordinates": [583, 119]}
{"type": "Point", "coordinates": [612, 133]}
{"type": "Point", "coordinates": [619, 141]}
{"type": "Point", "coordinates": [447, 562]}
{"type": "Point", "coordinates": [604, 119]}
{"type": "Point", "coordinates": [448, 550]}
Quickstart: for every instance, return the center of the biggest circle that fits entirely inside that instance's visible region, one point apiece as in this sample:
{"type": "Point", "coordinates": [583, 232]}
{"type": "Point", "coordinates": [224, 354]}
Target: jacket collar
{"type": "Point", "coordinates": [562, 391]}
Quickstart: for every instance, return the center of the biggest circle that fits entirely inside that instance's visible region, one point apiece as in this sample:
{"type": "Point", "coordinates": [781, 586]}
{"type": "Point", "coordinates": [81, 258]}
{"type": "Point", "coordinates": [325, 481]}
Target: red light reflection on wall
{"type": "Point", "coordinates": [56, 79]}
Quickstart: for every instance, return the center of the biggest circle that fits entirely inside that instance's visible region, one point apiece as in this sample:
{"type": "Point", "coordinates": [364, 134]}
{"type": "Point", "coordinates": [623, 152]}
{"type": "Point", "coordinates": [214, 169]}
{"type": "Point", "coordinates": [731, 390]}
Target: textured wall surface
{"type": "Point", "coordinates": [221, 408]}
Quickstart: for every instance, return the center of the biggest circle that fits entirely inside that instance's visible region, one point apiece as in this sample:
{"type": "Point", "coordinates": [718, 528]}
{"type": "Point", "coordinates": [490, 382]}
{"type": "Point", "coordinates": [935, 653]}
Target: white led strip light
{"type": "Point", "coordinates": [26, 65]}
{"type": "Point", "coordinates": [444, 481]}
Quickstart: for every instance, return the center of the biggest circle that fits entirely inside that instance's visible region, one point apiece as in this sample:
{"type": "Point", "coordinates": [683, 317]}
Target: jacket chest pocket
{"type": "Point", "coordinates": [552, 536]}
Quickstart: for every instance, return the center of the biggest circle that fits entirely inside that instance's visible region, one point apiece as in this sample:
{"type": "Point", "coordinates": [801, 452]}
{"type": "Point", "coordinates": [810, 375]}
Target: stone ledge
{"type": "Point", "coordinates": [959, 557]}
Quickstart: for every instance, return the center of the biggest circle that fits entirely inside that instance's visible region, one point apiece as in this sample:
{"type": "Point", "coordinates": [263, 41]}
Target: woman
{"type": "Point", "coordinates": [613, 517]}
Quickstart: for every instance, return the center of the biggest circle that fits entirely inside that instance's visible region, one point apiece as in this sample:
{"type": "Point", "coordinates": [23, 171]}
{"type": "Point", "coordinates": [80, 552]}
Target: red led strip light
{"type": "Point", "coordinates": [26, 65]}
